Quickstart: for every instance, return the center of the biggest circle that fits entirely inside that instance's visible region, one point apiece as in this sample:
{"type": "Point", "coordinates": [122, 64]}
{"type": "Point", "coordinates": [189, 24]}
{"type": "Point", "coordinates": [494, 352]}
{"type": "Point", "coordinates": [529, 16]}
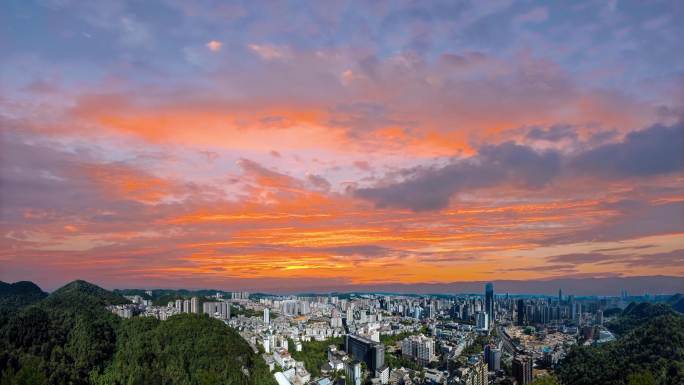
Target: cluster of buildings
{"type": "Point", "coordinates": [402, 339]}
{"type": "Point", "coordinates": [139, 306]}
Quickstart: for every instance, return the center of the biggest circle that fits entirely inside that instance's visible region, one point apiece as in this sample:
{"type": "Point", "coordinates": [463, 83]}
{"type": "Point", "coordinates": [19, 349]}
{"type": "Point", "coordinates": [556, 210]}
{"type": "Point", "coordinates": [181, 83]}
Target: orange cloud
{"type": "Point", "coordinates": [214, 45]}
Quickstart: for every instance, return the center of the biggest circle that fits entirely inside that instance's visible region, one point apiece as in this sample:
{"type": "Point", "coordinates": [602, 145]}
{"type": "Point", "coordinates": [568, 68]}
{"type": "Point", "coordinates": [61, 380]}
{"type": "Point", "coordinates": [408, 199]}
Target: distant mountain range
{"type": "Point", "coordinates": [604, 286]}
{"type": "Point", "coordinates": [578, 286]}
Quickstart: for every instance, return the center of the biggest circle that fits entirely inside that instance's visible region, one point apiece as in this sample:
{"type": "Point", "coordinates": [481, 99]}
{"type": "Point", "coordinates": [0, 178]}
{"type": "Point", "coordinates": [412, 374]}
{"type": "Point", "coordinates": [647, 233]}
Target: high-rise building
{"type": "Point", "coordinates": [419, 348]}
{"type": "Point", "coordinates": [521, 312]}
{"type": "Point", "coordinates": [474, 373]}
{"type": "Point", "coordinates": [194, 305]}
{"type": "Point", "coordinates": [482, 320]}
{"type": "Point", "coordinates": [238, 295]}
{"type": "Point", "coordinates": [560, 296]}
{"type": "Point", "coordinates": [267, 316]}
{"type": "Point", "coordinates": [186, 306]}
{"type": "Point", "coordinates": [417, 312]}
{"type": "Point", "coordinates": [489, 301]}
{"type": "Point", "coordinates": [522, 369]}
{"type": "Point", "coordinates": [571, 305]}
{"type": "Point", "coordinates": [353, 372]}
{"type": "Point", "coordinates": [219, 310]}
{"type": "Point", "coordinates": [225, 310]}
{"type": "Point", "coordinates": [179, 305]}
{"type": "Point", "coordinates": [290, 307]}
{"type": "Point", "coordinates": [363, 349]}
{"type": "Point", "coordinates": [492, 355]}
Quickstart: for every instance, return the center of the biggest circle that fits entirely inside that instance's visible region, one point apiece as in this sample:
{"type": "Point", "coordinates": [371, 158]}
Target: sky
{"type": "Point", "coordinates": [294, 145]}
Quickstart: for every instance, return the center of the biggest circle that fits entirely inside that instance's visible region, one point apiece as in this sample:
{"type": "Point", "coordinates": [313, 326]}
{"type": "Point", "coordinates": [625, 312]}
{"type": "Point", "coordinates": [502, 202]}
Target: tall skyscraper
{"type": "Point", "coordinates": [522, 369]}
{"type": "Point", "coordinates": [194, 305]}
{"type": "Point", "coordinates": [489, 301]}
{"type": "Point", "coordinates": [267, 316]}
{"type": "Point", "coordinates": [521, 312]}
{"type": "Point", "coordinates": [560, 296]}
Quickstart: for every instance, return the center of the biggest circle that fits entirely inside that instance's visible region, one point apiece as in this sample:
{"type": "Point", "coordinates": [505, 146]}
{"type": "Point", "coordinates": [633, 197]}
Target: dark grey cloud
{"type": "Point", "coordinates": [657, 150]}
{"type": "Point", "coordinates": [318, 182]}
{"type": "Point", "coordinates": [665, 259]}
{"type": "Point", "coordinates": [633, 218]}
{"type": "Point", "coordinates": [430, 188]}
{"type": "Point", "coordinates": [565, 268]}
{"type": "Point", "coordinates": [654, 151]}
{"type": "Point", "coordinates": [623, 248]}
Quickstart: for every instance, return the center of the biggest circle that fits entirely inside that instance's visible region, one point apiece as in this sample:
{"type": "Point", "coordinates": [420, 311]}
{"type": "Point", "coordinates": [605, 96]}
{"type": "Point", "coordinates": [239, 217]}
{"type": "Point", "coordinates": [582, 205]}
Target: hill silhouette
{"type": "Point", "coordinates": [19, 294]}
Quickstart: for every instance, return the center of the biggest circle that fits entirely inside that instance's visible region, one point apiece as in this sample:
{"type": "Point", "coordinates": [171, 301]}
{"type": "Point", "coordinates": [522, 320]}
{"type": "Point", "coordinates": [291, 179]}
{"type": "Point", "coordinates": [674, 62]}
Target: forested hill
{"type": "Point", "coordinates": [19, 294]}
{"type": "Point", "coordinates": [649, 351]}
{"type": "Point", "coordinates": [677, 302]}
{"type": "Point", "coordinates": [84, 290]}
{"type": "Point", "coordinates": [69, 337]}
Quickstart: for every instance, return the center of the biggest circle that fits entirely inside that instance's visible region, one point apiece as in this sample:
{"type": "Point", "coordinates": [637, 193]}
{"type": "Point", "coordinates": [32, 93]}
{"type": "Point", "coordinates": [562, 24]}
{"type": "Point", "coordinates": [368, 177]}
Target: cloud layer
{"type": "Point", "coordinates": [651, 152]}
{"type": "Point", "coordinates": [263, 146]}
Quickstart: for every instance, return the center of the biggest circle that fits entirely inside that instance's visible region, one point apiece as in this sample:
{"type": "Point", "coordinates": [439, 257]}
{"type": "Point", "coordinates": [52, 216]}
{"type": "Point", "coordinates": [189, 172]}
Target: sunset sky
{"type": "Point", "coordinates": [286, 146]}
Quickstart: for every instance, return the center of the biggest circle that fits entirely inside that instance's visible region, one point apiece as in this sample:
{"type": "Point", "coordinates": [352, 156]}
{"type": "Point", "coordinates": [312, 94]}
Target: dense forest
{"type": "Point", "coordinates": [14, 296]}
{"type": "Point", "coordinates": [649, 351]}
{"type": "Point", "coordinates": [68, 337]}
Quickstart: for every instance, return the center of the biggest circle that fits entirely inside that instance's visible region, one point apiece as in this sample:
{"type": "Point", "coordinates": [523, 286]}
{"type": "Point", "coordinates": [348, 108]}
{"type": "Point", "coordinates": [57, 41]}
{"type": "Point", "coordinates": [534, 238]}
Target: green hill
{"type": "Point", "coordinates": [62, 337]}
{"type": "Point", "coordinates": [16, 295]}
{"type": "Point", "coordinates": [69, 337]}
{"type": "Point", "coordinates": [636, 315]}
{"type": "Point", "coordinates": [82, 290]}
{"type": "Point", "coordinates": [186, 349]}
{"type": "Point", "coordinates": [651, 347]}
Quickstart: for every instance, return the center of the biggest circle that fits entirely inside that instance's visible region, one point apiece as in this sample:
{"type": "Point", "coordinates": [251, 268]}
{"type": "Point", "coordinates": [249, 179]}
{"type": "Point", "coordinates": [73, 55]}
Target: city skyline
{"type": "Point", "coordinates": [353, 146]}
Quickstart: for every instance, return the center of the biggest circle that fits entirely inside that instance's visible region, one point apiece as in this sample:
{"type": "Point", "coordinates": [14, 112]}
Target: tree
{"type": "Point", "coordinates": [643, 378]}
{"type": "Point", "coordinates": [545, 380]}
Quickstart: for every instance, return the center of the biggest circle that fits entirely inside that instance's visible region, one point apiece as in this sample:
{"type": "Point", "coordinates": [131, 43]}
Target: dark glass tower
{"type": "Point", "coordinates": [521, 312]}
{"type": "Point", "coordinates": [489, 301]}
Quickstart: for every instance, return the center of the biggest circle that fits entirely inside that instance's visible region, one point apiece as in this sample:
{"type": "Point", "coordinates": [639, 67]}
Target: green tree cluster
{"type": "Point", "coordinates": [70, 338]}
{"type": "Point", "coordinates": [650, 350]}
{"type": "Point", "coordinates": [314, 353]}
{"type": "Point", "coordinates": [545, 380]}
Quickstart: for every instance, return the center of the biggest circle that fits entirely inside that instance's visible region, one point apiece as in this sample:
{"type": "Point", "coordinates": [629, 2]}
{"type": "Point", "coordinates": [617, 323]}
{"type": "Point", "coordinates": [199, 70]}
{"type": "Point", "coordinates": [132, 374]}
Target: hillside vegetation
{"type": "Point", "coordinates": [16, 295]}
{"type": "Point", "coordinates": [649, 351]}
{"type": "Point", "coordinates": [70, 338]}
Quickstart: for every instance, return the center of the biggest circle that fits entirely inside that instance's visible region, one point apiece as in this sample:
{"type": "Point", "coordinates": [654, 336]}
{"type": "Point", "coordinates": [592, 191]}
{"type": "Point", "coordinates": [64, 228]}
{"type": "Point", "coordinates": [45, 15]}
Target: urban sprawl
{"type": "Point", "coordinates": [474, 339]}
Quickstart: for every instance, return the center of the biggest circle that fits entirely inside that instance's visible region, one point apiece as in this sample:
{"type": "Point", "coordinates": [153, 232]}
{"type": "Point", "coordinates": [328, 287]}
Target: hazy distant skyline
{"type": "Point", "coordinates": [340, 144]}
